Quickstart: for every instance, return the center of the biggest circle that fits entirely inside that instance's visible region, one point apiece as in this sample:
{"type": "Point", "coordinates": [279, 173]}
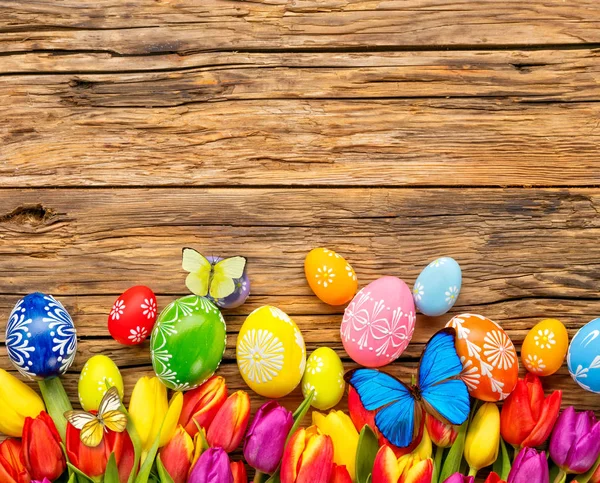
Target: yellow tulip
{"type": "Point", "coordinates": [151, 413]}
{"type": "Point", "coordinates": [17, 401]}
{"type": "Point", "coordinates": [342, 431]}
{"type": "Point", "coordinates": [424, 449]}
{"type": "Point", "coordinates": [483, 438]}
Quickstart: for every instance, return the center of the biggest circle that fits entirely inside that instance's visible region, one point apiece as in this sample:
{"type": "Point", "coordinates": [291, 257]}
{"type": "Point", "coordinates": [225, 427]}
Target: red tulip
{"type": "Point", "coordinates": [527, 418]}
{"type": "Point", "coordinates": [385, 468]}
{"type": "Point", "coordinates": [494, 478]}
{"type": "Point", "coordinates": [442, 434]}
{"type": "Point", "coordinates": [200, 405]}
{"type": "Point", "coordinates": [42, 454]}
{"type": "Point", "coordinates": [93, 461]}
{"type": "Point", "coordinates": [230, 423]}
{"type": "Point", "coordinates": [238, 470]}
{"type": "Point", "coordinates": [176, 455]}
{"type": "Point", "coordinates": [339, 474]}
{"type": "Point", "coordinates": [308, 457]}
{"type": "Point", "coordinates": [12, 469]}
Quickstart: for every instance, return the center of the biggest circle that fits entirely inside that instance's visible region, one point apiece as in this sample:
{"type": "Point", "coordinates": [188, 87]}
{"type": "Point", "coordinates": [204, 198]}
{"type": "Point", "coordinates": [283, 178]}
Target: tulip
{"type": "Point", "coordinates": [359, 415]}
{"type": "Point", "coordinates": [212, 467]}
{"type": "Point", "coordinates": [93, 461]}
{"type": "Point", "coordinates": [200, 405]}
{"type": "Point", "coordinates": [483, 438]}
{"type": "Point", "coordinates": [443, 435]}
{"type": "Point", "coordinates": [150, 411]}
{"type": "Point", "coordinates": [17, 402]}
{"type": "Point", "coordinates": [339, 474]}
{"type": "Point", "coordinates": [42, 454]}
{"type": "Point", "coordinates": [415, 470]}
{"type": "Point", "coordinates": [527, 418]}
{"type": "Point", "coordinates": [458, 478]}
{"type": "Point", "coordinates": [494, 478]}
{"type": "Point", "coordinates": [595, 478]}
{"type": "Point", "coordinates": [45, 480]}
{"type": "Point", "coordinates": [529, 467]}
{"type": "Point", "coordinates": [266, 436]}
{"type": "Point", "coordinates": [575, 441]}
{"type": "Point", "coordinates": [343, 434]}
{"type": "Point", "coordinates": [230, 423]}
{"type": "Point", "coordinates": [12, 469]}
{"type": "Point", "coordinates": [238, 470]}
{"type": "Point", "coordinates": [176, 455]}
{"type": "Point", "coordinates": [308, 457]}
{"type": "Point", "coordinates": [200, 445]}
{"type": "Point", "coordinates": [385, 468]}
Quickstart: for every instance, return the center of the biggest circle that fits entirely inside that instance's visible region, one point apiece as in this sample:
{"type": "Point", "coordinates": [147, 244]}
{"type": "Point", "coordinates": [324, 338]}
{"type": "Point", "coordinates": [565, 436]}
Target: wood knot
{"type": "Point", "coordinates": [33, 215]}
{"type": "Point", "coordinates": [77, 83]}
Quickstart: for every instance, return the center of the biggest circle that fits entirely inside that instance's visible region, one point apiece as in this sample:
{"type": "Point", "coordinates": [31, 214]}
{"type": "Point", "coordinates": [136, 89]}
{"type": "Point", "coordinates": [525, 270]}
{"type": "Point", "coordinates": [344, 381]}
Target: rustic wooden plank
{"type": "Point", "coordinates": [49, 140]}
{"type": "Point", "coordinates": [185, 26]}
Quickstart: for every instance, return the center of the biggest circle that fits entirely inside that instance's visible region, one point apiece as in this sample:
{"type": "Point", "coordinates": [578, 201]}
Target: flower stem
{"type": "Point", "coordinates": [57, 403]}
{"type": "Point", "coordinates": [561, 477]}
{"type": "Point", "coordinates": [258, 477]}
{"type": "Point", "coordinates": [472, 471]}
{"type": "Point", "coordinates": [437, 464]}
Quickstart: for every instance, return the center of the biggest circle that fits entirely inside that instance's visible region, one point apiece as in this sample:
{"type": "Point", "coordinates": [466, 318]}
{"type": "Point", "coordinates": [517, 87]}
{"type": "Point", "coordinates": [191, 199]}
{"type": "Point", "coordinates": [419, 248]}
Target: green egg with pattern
{"type": "Point", "coordinates": [188, 342]}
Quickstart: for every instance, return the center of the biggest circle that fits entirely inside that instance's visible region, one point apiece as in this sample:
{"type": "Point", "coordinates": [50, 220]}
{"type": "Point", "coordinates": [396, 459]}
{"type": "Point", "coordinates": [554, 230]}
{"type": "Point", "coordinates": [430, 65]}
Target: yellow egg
{"type": "Point", "coordinates": [325, 376]}
{"type": "Point", "coordinates": [270, 352]}
{"type": "Point", "coordinates": [97, 372]}
{"type": "Point", "coordinates": [545, 347]}
{"type": "Point", "coordinates": [330, 277]}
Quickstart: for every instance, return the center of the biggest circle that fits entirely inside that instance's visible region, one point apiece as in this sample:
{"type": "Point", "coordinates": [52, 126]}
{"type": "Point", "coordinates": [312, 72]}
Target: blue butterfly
{"type": "Point", "coordinates": [439, 391]}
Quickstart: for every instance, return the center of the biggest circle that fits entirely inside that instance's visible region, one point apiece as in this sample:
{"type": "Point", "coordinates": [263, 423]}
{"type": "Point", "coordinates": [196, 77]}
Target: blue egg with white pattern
{"type": "Point", "coordinates": [41, 339]}
{"type": "Point", "coordinates": [583, 357]}
{"type": "Point", "coordinates": [438, 286]}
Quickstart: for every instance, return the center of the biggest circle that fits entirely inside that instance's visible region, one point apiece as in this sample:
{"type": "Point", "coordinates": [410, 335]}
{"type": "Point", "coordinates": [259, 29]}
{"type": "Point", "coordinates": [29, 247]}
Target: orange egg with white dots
{"type": "Point", "coordinates": [330, 276]}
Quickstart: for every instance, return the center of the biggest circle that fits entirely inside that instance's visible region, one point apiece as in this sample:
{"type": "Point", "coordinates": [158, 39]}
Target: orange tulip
{"type": "Point", "coordinates": [12, 469]}
{"type": "Point", "coordinates": [339, 474]}
{"type": "Point", "coordinates": [442, 435]}
{"type": "Point", "coordinates": [230, 423]}
{"type": "Point", "coordinates": [176, 456]}
{"type": "Point", "coordinates": [200, 405]}
{"type": "Point", "coordinates": [415, 470]}
{"type": "Point", "coordinates": [308, 457]}
{"type": "Point", "coordinates": [238, 470]}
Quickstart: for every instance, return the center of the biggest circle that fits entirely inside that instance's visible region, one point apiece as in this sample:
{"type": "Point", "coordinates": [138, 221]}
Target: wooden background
{"type": "Point", "coordinates": [391, 131]}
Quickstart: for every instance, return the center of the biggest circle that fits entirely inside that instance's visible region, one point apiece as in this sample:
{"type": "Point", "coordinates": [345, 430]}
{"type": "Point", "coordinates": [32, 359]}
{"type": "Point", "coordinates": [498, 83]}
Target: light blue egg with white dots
{"type": "Point", "coordinates": [583, 357]}
{"type": "Point", "coordinates": [437, 287]}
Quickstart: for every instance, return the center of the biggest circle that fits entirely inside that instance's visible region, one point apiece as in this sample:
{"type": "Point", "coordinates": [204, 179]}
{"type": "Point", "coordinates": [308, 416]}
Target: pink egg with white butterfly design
{"type": "Point", "coordinates": [379, 322]}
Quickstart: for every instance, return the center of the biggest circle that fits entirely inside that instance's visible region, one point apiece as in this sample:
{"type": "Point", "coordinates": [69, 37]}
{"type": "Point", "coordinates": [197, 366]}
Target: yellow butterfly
{"type": "Point", "coordinates": [216, 278]}
{"type": "Point", "coordinates": [92, 426]}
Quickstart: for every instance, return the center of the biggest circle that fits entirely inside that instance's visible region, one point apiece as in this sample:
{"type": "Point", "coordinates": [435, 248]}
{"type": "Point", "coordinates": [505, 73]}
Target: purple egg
{"type": "Point", "coordinates": [239, 295]}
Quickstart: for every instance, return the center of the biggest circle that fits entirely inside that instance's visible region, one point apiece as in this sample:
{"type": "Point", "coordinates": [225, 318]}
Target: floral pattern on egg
{"type": "Point", "coordinates": [330, 276]}
{"type": "Point", "coordinates": [488, 356]}
{"type": "Point", "coordinates": [545, 347]}
{"type": "Point", "coordinates": [325, 376]}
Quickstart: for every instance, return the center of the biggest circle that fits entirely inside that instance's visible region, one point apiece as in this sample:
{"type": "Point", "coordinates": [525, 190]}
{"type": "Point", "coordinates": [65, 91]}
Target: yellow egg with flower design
{"type": "Point", "coordinates": [270, 352]}
{"type": "Point", "coordinates": [545, 347]}
{"type": "Point", "coordinates": [98, 374]}
{"type": "Point", "coordinates": [325, 376]}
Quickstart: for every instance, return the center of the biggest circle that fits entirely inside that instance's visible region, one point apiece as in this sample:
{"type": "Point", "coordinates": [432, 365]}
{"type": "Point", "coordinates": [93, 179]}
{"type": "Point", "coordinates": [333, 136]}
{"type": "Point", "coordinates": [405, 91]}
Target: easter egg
{"type": "Point", "coordinates": [437, 287]}
{"type": "Point", "coordinates": [489, 359]}
{"type": "Point", "coordinates": [583, 357]}
{"type": "Point", "coordinates": [41, 339]}
{"type": "Point", "coordinates": [96, 373]}
{"type": "Point", "coordinates": [330, 277]}
{"type": "Point", "coordinates": [544, 348]}
{"type": "Point", "coordinates": [325, 376]}
{"type": "Point", "coordinates": [270, 352]}
{"type": "Point", "coordinates": [239, 295]}
{"type": "Point", "coordinates": [188, 342]}
{"type": "Point", "coordinates": [379, 322]}
{"type": "Point", "coordinates": [133, 315]}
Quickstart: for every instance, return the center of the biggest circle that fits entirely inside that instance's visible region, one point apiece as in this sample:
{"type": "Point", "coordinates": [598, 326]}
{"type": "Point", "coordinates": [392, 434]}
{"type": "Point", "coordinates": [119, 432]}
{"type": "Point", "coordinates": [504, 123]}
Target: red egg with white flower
{"type": "Point", "coordinates": [133, 315]}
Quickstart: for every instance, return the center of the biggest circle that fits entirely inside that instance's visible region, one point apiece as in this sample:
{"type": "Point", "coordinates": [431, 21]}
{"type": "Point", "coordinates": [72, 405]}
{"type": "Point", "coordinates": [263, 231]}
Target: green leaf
{"type": "Point", "coordinates": [454, 458]}
{"type": "Point", "coordinates": [111, 475]}
{"type": "Point", "coordinates": [80, 475]}
{"type": "Point", "coordinates": [146, 467]}
{"type": "Point", "coordinates": [366, 451]}
{"type": "Point", "coordinates": [584, 478]}
{"type": "Point", "coordinates": [164, 475]}
{"type": "Point", "coordinates": [502, 465]}
{"type": "Point", "coordinates": [57, 403]}
{"type": "Point", "coordinates": [73, 477]}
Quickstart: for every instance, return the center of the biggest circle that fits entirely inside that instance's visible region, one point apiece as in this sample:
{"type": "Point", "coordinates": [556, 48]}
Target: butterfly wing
{"type": "Point", "coordinates": [444, 395]}
{"type": "Point", "coordinates": [109, 411]}
{"type": "Point", "coordinates": [115, 421]}
{"type": "Point", "coordinates": [79, 419]}
{"type": "Point", "coordinates": [199, 267]}
{"type": "Point", "coordinates": [110, 402]}
{"type": "Point", "coordinates": [392, 399]}
{"type": "Point", "coordinates": [224, 273]}
{"type": "Point", "coordinates": [92, 433]}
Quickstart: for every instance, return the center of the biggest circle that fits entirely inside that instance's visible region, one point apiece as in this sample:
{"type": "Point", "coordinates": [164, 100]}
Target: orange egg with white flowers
{"type": "Point", "coordinates": [330, 276]}
{"type": "Point", "coordinates": [489, 359]}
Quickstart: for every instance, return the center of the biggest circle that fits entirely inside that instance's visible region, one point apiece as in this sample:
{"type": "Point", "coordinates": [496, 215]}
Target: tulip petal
{"type": "Point", "coordinates": [548, 416]}
{"type": "Point", "coordinates": [516, 419]}
{"type": "Point", "coordinates": [169, 424]}
{"type": "Point", "coordinates": [343, 433]}
{"type": "Point", "coordinates": [340, 474]}
{"type": "Point", "coordinates": [385, 468]}
{"type": "Point", "coordinates": [317, 460]}
{"type": "Point", "coordinates": [421, 472]}
{"type": "Point", "coordinates": [584, 453]}
{"type": "Point", "coordinates": [536, 395]}
{"type": "Point", "coordinates": [291, 456]}
{"type": "Point", "coordinates": [176, 455]}
{"type": "Point", "coordinates": [238, 470]}
{"type": "Point", "coordinates": [563, 436]}
{"type": "Point", "coordinates": [201, 405]}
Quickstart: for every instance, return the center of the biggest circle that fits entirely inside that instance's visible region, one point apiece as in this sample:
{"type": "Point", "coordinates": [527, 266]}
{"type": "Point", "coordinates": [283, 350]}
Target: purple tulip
{"type": "Point", "coordinates": [458, 478]}
{"type": "Point", "coordinates": [265, 439]}
{"type": "Point", "coordinates": [45, 480]}
{"type": "Point", "coordinates": [529, 467]}
{"type": "Point", "coordinates": [575, 442]}
{"type": "Point", "coordinates": [212, 467]}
